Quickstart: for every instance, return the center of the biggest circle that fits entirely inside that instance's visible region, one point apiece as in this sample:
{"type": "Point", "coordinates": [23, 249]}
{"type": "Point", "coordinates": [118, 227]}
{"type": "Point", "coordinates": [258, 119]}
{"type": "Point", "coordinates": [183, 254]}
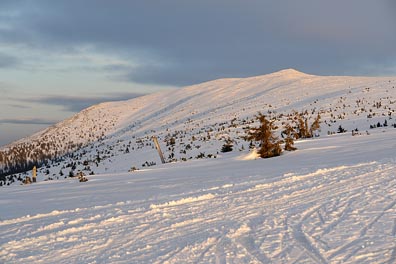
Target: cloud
{"type": "Point", "coordinates": [20, 106]}
{"type": "Point", "coordinates": [7, 61]}
{"type": "Point", "coordinates": [3, 88]}
{"type": "Point", "coordinates": [180, 42]}
{"type": "Point", "coordinates": [76, 104]}
{"type": "Point", "coordinates": [175, 75]}
{"type": "Point", "coordinates": [29, 121]}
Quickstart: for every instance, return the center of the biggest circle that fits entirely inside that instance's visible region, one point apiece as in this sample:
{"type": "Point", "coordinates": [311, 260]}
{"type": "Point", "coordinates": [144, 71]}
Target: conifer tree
{"type": "Point", "coordinates": [304, 131]}
{"type": "Point", "coordinates": [269, 143]}
{"type": "Point", "coordinates": [228, 146]}
{"type": "Point", "coordinates": [301, 127]}
{"type": "Point", "coordinates": [315, 125]}
{"type": "Point", "coordinates": [289, 133]}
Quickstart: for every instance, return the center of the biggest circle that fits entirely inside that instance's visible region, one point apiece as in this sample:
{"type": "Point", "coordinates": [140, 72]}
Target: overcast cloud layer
{"type": "Point", "coordinates": [184, 42]}
{"type": "Point", "coordinates": [76, 104]}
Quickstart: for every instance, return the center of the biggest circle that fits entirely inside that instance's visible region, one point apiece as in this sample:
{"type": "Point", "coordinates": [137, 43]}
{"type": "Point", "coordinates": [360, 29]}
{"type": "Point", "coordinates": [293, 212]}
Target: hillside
{"type": "Point", "coordinates": [332, 201]}
{"type": "Point", "coordinates": [193, 122]}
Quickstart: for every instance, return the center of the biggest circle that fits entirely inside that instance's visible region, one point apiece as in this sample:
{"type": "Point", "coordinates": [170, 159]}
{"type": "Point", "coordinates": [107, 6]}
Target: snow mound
{"type": "Point", "coordinates": [183, 201]}
{"type": "Point", "coordinates": [252, 155]}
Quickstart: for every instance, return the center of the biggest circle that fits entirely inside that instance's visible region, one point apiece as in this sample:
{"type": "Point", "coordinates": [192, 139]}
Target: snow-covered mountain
{"type": "Point", "coordinates": [333, 200]}
{"type": "Point", "coordinates": [194, 121]}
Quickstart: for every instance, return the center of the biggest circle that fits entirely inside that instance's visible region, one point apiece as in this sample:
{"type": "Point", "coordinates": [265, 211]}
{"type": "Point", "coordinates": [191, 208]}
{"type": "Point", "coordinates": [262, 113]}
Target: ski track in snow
{"type": "Point", "coordinates": [343, 214]}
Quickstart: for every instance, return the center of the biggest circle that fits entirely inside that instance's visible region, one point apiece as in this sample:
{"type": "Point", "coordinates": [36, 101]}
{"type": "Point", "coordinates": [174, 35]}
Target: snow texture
{"type": "Point", "coordinates": [331, 201]}
{"type": "Point", "coordinates": [320, 204]}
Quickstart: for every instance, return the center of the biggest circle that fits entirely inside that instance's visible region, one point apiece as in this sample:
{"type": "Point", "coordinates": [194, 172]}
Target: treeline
{"type": "Point", "coordinates": [24, 156]}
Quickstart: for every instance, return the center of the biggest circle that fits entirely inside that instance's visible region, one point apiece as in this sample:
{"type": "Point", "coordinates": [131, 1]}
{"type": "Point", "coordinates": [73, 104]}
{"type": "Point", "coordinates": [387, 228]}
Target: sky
{"type": "Point", "coordinates": [59, 57]}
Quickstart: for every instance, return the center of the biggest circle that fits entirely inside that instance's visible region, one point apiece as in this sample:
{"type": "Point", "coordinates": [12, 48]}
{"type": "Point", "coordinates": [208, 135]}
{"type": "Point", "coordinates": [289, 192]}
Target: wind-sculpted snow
{"type": "Point", "coordinates": [320, 204]}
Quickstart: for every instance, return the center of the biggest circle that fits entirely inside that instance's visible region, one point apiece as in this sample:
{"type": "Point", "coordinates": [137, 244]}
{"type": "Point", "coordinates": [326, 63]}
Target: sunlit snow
{"type": "Point", "coordinates": [331, 201]}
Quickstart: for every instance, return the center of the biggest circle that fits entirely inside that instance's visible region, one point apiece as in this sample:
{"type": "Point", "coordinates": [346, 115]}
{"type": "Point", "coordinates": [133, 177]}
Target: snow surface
{"type": "Point", "coordinates": [332, 201]}
{"type": "Point", "coordinates": [205, 110]}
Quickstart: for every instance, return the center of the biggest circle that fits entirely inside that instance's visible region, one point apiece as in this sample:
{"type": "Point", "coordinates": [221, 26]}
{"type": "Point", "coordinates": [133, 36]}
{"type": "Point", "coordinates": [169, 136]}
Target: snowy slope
{"type": "Point", "coordinates": [200, 118]}
{"type": "Point", "coordinates": [332, 201]}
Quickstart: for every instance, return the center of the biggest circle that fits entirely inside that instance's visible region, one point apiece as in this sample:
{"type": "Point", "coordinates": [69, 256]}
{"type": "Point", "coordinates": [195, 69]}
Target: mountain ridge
{"type": "Point", "coordinates": [202, 107]}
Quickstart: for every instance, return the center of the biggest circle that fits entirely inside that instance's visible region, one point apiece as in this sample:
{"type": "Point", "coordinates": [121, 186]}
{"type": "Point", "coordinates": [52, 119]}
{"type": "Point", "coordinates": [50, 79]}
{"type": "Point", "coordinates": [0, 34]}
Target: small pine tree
{"type": "Point", "coordinates": [289, 133]}
{"type": "Point", "coordinates": [304, 131]}
{"type": "Point", "coordinates": [315, 125]}
{"type": "Point", "coordinates": [341, 129]}
{"type": "Point", "coordinates": [269, 143]}
{"type": "Point", "coordinates": [301, 127]}
{"type": "Point", "coordinates": [228, 146]}
{"type": "Point", "coordinates": [172, 141]}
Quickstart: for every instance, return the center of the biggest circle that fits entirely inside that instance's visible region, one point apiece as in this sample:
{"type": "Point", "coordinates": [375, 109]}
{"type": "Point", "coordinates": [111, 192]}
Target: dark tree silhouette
{"type": "Point", "coordinates": [227, 146]}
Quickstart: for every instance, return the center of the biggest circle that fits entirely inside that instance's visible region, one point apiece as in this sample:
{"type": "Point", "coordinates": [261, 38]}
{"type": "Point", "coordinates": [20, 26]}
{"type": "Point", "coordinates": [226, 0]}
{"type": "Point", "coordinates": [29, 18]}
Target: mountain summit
{"type": "Point", "coordinates": [330, 201]}
{"type": "Point", "coordinates": [289, 72]}
{"type": "Point", "coordinates": [210, 112]}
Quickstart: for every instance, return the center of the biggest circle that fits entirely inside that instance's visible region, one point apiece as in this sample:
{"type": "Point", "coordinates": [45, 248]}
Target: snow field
{"type": "Point", "coordinates": [333, 201]}
{"type": "Point", "coordinates": [200, 118]}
